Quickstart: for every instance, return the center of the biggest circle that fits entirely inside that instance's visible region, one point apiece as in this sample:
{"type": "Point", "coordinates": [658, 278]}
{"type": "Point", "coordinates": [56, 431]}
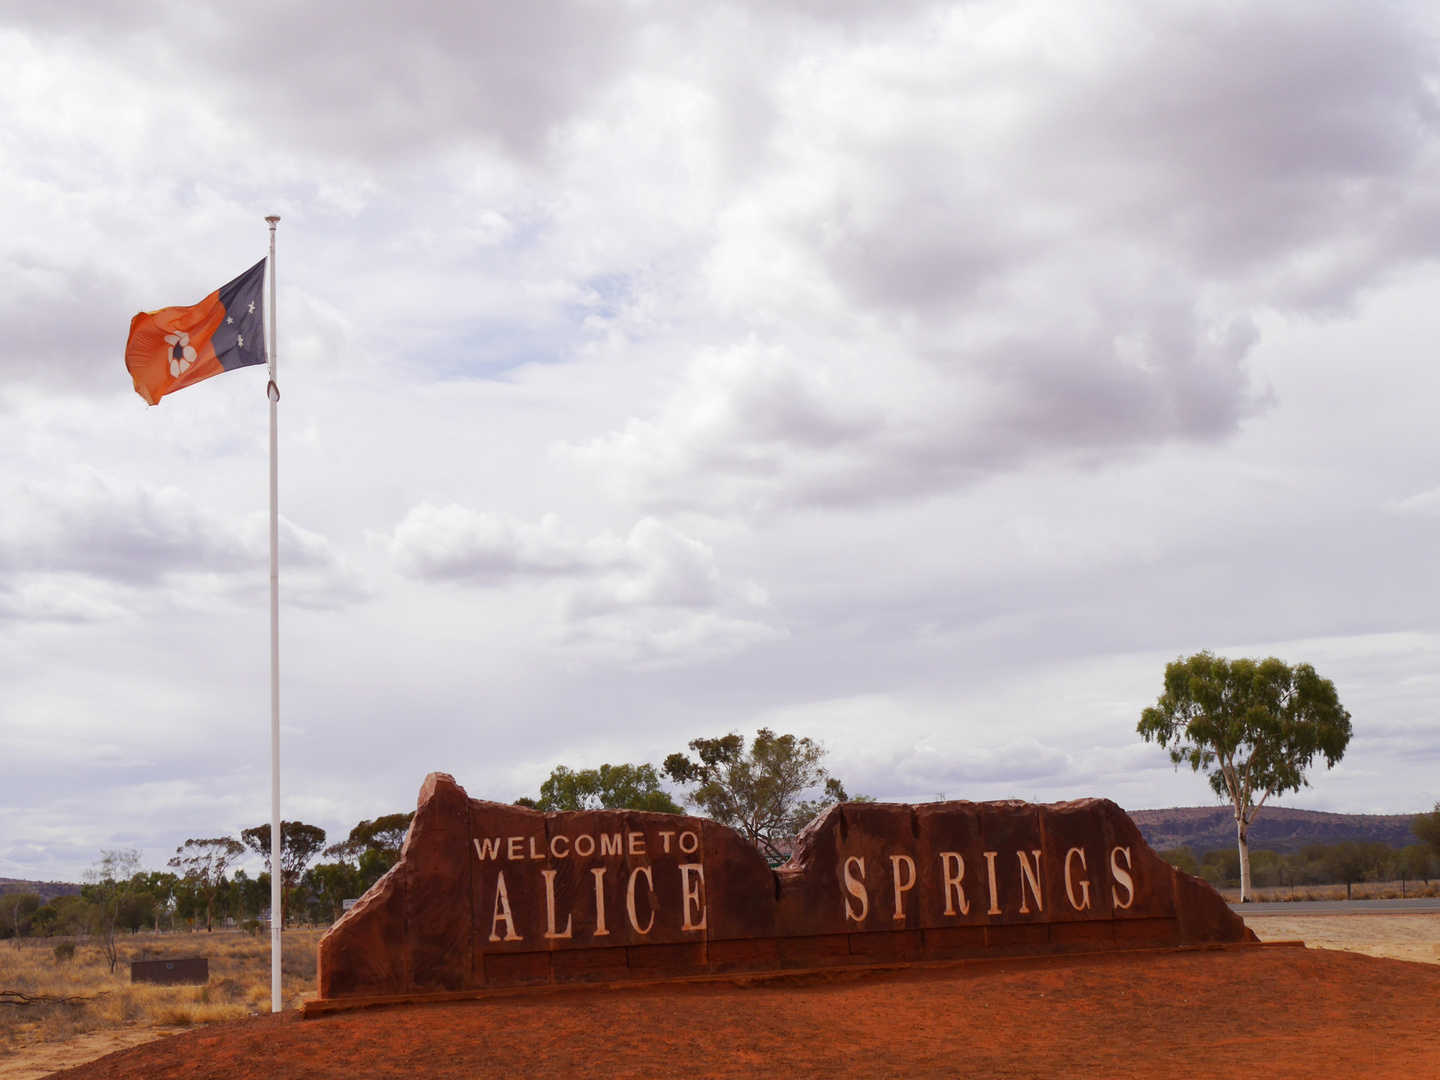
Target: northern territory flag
{"type": "Point", "coordinates": [176, 346]}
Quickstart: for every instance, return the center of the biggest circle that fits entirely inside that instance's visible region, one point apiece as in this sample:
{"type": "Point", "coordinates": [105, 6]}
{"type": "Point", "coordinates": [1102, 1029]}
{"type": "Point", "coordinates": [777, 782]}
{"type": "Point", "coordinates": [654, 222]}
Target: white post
{"type": "Point", "coordinates": [276, 899]}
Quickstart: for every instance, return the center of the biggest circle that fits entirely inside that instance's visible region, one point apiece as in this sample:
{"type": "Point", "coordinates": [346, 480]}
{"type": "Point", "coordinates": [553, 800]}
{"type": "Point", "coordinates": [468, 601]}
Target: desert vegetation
{"type": "Point", "coordinates": [52, 989]}
{"type": "Point", "coordinates": [1254, 727]}
{"type": "Point", "coordinates": [121, 898]}
{"type": "Point", "coordinates": [65, 960]}
{"type": "Point", "coordinates": [757, 789]}
{"type": "Point", "coordinates": [1350, 869]}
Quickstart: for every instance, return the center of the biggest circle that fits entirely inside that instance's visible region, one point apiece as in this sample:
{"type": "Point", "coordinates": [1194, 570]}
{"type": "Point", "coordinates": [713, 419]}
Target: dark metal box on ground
{"type": "Point", "coordinates": [192, 971]}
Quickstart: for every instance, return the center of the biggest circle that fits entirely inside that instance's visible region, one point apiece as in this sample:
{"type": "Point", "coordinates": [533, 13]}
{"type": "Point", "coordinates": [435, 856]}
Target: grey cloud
{"type": "Point", "coordinates": [45, 342]}
{"type": "Point", "coordinates": [369, 79]}
{"type": "Point", "coordinates": [65, 547]}
{"type": "Point", "coordinates": [757, 430]}
{"type": "Point", "coordinates": [458, 543]}
{"type": "Point", "coordinates": [121, 531]}
{"type": "Point", "coordinates": [652, 597]}
{"type": "Point", "coordinates": [926, 768]}
{"type": "Point", "coordinates": [654, 565]}
{"type": "Point", "coordinates": [1060, 246]}
{"type": "Point", "coordinates": [988, 769]}
{"type": "Point", "coordinates": [58, 598]}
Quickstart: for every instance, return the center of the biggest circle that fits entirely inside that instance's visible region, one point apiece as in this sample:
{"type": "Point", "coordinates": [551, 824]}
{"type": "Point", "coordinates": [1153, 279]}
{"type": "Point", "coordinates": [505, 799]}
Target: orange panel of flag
{"type": "Point", "coordinates": [178, 346]}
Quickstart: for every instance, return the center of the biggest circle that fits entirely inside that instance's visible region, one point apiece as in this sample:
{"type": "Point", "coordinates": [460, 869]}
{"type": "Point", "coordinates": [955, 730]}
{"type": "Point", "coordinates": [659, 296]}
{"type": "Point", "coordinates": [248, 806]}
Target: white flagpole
{"type": "Point", "coordinates": [276, 900]}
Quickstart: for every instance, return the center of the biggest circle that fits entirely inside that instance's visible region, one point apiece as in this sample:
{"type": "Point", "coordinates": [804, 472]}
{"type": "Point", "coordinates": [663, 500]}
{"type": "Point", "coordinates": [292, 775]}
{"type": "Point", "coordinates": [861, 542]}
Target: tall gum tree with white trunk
{"type": "Point", "coordinates": [1254, 726]}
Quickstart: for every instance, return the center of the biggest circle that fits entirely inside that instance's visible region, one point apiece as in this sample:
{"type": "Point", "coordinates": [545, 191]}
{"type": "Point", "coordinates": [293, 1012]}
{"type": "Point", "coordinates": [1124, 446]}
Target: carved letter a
{"type": "Point", "coordinates": [502, 911]}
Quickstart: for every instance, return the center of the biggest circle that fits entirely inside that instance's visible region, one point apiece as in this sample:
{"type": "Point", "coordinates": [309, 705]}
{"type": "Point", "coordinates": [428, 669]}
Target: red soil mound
{"type": "Point", "coordinates": [1271, 1012]}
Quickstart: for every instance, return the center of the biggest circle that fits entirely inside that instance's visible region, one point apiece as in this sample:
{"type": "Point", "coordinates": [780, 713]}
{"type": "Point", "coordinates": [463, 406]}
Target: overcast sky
{"type": "Point", "coordinates": [917, 377]}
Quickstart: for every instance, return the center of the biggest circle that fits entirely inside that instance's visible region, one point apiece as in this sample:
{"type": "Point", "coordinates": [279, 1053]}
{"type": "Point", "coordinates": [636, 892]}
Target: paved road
{"type": "Point", "coordinates": [1417, 905]}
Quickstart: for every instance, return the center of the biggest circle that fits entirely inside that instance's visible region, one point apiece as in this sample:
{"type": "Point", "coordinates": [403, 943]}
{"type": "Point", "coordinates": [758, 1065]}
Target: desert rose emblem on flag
{"type": "Point", "coordinates": [176, 346]}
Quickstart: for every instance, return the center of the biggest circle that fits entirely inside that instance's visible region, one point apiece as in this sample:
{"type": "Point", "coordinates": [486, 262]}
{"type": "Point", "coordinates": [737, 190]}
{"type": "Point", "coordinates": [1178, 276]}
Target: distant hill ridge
{"type": "Point", "coordinates": [1277, 828]}
{"type": "Point", "coordinates": [46, 890]}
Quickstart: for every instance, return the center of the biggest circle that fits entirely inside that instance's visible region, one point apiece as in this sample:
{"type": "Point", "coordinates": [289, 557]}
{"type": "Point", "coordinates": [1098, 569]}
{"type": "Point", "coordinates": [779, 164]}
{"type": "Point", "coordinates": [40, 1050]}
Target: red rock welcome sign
{"type": "Point", "coordinates": [488, 895]}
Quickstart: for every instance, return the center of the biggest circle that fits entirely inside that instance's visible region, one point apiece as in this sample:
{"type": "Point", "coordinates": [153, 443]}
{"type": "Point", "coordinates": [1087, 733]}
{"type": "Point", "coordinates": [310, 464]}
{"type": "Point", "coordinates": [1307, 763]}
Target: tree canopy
{"type": "Point", "coordinates": [299, 843]}
{"type": "Point", "coordinates": [1253, 726]}
{"type": "Point", "coordinates": [108, 885]}
{"type": "Point", "coordinates": [204, 862]}
{"type": "Point", "coordinates": [17, 909]}
{"type": "Point", "coordinates": [1427, 828]}
{"type": "Point", "coordinates": [384, 834]}
{"type": "Point", "coordinates": [361, 859]}
{"type": "Point", "coordinates": [610, 787]}
{"type": "Point", "coordinates": [758, 792]}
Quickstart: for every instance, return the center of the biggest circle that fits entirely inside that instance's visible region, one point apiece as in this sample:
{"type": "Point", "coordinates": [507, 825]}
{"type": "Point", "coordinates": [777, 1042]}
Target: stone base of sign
{"type": "Point", "coordinates": [488, 896]}
{"type": "Point", "coordinates": [314, 1007]}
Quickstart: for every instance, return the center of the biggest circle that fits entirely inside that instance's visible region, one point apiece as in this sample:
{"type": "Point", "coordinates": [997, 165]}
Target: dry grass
{"type": "Point", "coordinates": [1364, 890]}
{"type": "Point", "coordinates": [239, 984]}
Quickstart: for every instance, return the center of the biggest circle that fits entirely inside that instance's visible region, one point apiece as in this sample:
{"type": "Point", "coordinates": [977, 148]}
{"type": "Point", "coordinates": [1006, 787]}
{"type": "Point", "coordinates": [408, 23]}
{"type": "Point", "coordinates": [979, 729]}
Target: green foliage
{"type": "Point", "coordinates": [385, 834]}
{"type": "Point", "coordinates": [330, 884]}
{"type": "Point", "coordinates": [1426, 828]}
{"type": "Point", "coordinates": [1253, 726]}
{"type": "Point", "coordinates": [1352, 860]}
{"type": "Point", "coordinates": [1417, 861]}
{"type": "Point", "coordinates": [246, 897]}
{"type": "Point", "coordinates": [203, 864]}
{"type": "Point", "coordinates": [65, 915]}
{"type": "Point", "coordinates": [17, 910]}
{"type": "Point", "coordinates": [64, 953]}
{"type": "Point", "coordinates": [358, 861]}
{"type": "Point", "coordinates": [1343, 863]}
{"type": "Point", "coordinates": [1183, 858]}
{"type": "Point", "coordinates": [1220, 866]}
{"type": "Point", "coordinates": [610, 787]}
{"type": "Point", "coordinates": [1264, 865]}
{"type": "Point", "coordinates": [758, 792]}
{"type": "Point", "coordinates": [137, 910]}
{"type": "Point", "coordinates": [108, 885]}
{"type": "Point", "coordinates": [299, 844]}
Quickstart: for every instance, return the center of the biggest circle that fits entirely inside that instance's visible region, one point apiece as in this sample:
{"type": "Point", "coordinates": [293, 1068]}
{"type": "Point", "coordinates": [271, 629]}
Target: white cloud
{"type": "Point", "coordinates": [36, 598]}
{"type": "Point", "coordinates": [70, 550]}
{"type": "Point", "coordinates": [458, 543]}
{"type": "Point", "coordinates": [654, 596]}
{"type": "Point", "coordinates": [985, 238]}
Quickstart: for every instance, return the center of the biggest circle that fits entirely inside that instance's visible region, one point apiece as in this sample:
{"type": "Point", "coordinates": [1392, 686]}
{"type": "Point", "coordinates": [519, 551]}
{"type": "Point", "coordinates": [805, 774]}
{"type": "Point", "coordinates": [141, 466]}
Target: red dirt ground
{"type": "Point", "coordinates": [1271, 1012]}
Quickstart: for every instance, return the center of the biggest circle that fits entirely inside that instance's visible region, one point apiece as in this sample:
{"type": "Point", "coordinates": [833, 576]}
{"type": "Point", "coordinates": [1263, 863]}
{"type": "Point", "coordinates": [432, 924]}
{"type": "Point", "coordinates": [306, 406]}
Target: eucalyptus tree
{"type": "Point", "coordinates": [299, 843]}
{"type": "Point", "coordinates": [610, 787]}
{"type": "Point", "coordinates": [108, 885]}
{"type": "Point", "coordinates": [364, 856]}
{"type": "Point", "coordinates": [1253, 726]}
{"type": "Point", "coordinates": [758, 791]}
{"type": "Point", "coordinates": [203, 864]}
{"type": "Point", "coordinates": [1427, 828]}
{"type": "Point", "coordinates": [17, 911]}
